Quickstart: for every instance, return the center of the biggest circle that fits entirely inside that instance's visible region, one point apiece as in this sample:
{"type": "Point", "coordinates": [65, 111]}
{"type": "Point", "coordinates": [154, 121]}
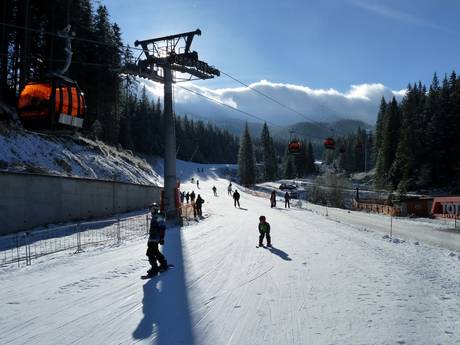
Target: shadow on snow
{"type": "Point", "coordinates": [282, 254]}
{"type": "Point", "coordinates": [165, 303]}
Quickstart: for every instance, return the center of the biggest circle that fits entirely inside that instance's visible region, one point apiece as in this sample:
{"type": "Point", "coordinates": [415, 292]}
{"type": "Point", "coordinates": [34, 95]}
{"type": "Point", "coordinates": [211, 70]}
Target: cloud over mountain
{"type": "Point", "coordinates": [360, 102]}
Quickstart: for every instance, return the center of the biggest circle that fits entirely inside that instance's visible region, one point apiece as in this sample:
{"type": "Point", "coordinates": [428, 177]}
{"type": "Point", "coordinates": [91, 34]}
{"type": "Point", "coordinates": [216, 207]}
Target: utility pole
{"type": "Point", "coordinates": [162, 57]}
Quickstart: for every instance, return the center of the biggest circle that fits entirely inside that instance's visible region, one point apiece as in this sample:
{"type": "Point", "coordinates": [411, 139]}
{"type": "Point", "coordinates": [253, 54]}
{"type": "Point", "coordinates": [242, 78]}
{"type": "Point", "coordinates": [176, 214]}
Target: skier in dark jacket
{"type": "Point", "coordinates": [287, 198]}
{"type": "Point", "coordinates": [156, 238]}
{"type": "Point", "coordinates": [264, 231]}
{"type": "Point", "coordinates": [187, 197]}
{"type": "Point", "coordinates": [236, 198]}
{"type": "Point", "coordinates": [214, 190]}
{"type": "Point", "coordinates": [199, 203]}
{"type": "Point", "coordinates": [273, 199]}
{"type": "Point", "coordinates": [192, 201]}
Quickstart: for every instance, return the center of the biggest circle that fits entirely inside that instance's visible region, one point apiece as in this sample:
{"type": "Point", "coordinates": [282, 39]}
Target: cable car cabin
{"type": "Point", "coordinates": [51, 103]}
{"type": "Point", "coordinates": [329, 144]}
{"type": "Point", "coordinates": [294, 146]}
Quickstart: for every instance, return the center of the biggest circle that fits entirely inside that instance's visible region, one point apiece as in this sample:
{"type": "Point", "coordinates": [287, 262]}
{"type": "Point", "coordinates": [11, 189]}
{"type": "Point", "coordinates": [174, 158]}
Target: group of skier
{"type": "Point", "coordinates": [287, 200]}
{"type": "Point", "coordinates": [196, 204]}
{"type": "Point", "coordinates": [158, 225]}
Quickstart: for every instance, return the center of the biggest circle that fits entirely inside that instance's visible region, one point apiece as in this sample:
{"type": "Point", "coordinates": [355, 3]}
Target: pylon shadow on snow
{"type": "Point", "coordinates": [165, 303]}
{"type": "Point", "coordinates": [282, 254]}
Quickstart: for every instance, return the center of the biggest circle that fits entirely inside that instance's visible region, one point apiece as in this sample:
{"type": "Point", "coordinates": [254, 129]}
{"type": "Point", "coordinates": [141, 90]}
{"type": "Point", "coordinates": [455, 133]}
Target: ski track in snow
{"type": "Point", "coordinates": [323, 282]}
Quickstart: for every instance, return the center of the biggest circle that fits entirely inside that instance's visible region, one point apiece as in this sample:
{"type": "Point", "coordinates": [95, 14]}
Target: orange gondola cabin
{"type": "Point", "coordinates": [329, 144]}
{"type": "Point", "coordinates": [294, 146]}
{"type": "Point", "coordinates": [52, 103]}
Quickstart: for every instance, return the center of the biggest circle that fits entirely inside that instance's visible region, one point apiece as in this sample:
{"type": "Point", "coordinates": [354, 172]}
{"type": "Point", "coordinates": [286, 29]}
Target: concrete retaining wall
{"type": "Point", "coordinates": [30, 200]}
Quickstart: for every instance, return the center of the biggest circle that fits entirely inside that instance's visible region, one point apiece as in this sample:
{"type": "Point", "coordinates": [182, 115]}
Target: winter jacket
{"type": "Point", "coordinates": [157, 228]}
{"type": "Point", "coordinates": [287, 196]}
{"type": "Point", "coordinates": [192, 196]}
{"type": "Point", "coordinates": [199, 201]}
{"type": "Point", "coordinates": [236, 195]}
{"type": "Point", "coordinates": [264, 228]}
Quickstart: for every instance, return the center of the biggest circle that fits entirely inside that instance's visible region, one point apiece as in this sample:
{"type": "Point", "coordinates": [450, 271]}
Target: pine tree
{"type": "Point", "coordinates": [289, 167]}
{"type": "Point", "coordinates": [270, 166]}
{"type": "Point", "coordinates": [391, 124]}
{"type": "Point", "coordinates": [310, 164]}
{"type": "Point", "coordinates": [246, 162]}
{"type": "Point", "coordinates": [300, 161]}
{"type": "Point", "coordinates": [404, 166]}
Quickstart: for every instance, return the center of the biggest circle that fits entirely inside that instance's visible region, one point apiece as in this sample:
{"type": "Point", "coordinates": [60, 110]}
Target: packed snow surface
{"type": "Point", "coordinates": [71, 156]}
{"type": "Point", "coordinates": [323, 282]}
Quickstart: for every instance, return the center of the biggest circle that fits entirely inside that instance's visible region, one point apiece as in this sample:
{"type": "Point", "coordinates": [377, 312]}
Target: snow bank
{"type": "Point", "coordinates": [68, 155]}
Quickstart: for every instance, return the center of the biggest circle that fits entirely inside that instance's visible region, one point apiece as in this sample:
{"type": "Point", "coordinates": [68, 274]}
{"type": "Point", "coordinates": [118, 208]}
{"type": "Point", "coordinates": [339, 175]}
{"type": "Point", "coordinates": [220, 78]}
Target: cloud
{"type": "Point", "coordinates": [360, 102]}
{"type": "Point", "coordinates": [395, 14]}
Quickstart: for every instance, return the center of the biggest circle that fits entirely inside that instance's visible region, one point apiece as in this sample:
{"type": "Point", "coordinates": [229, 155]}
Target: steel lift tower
{"type": "Point", "coordinates": [163, 56]}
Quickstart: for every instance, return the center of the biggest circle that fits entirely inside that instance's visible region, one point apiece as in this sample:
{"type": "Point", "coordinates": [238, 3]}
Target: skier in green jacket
{"type": "Point", "coordinates": [264, 230]}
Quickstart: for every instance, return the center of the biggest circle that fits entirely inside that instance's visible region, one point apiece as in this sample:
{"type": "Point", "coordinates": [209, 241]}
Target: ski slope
{"type": "Point", "coordinates": [323, 282]}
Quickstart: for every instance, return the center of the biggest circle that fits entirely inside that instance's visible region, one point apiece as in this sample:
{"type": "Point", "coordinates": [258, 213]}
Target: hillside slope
{"type": "Point", "coordinates": [71, 155]}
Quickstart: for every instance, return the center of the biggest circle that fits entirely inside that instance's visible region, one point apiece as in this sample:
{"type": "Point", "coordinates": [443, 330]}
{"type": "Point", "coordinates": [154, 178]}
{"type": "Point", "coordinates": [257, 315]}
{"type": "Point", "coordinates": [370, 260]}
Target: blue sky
{"type": "Point", "coordinates": [320, 44]}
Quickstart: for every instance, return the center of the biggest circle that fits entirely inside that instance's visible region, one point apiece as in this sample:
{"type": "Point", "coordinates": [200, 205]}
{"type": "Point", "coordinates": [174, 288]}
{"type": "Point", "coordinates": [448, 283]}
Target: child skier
{"type": "Point", "coordinates": [156, 237]}
{"type": "Point", "coordinates": [264, 231]}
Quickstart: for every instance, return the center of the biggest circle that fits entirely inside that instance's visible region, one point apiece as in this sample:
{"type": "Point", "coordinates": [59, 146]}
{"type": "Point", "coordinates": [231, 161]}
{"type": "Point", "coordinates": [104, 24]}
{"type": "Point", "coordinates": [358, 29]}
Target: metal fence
{"type": "Point", "coordinates": [26, 246]}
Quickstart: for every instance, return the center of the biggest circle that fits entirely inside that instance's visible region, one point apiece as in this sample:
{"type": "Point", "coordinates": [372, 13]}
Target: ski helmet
{"type": "Point", "coordinates": [262, 218]}
{"type": "Point", "coordinates": [154, 208]}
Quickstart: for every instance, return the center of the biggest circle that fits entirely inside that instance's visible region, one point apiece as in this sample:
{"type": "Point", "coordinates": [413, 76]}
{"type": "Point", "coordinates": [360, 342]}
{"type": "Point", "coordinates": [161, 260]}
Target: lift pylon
{"type": "Point", "coordinates": [162, 57]}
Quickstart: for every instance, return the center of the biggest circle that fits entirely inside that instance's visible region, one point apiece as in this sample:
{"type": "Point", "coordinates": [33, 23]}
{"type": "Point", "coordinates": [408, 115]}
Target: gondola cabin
{"type": "Point", "coordinates": [329, 144]}
{"type": "Point", "coordinates": [52, 103]}
{"type": "Point", "coordinates": [294, 146]}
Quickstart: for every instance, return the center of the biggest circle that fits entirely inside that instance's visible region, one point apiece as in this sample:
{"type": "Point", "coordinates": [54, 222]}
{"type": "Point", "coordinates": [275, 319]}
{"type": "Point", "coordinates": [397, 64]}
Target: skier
{"type": "Point", "coordinates": [287, 197]}
{"type": "Point", "coordinates": [273, 199]}
{"type": "Point", "coordinates": [187, 197]}
{"type": "Point", "coordinates": [156, 237]}
{"type": "Point", "coordinates": [192, 180]}
{"type": "Point", "coordinates": [214, 189]}
{"type": "Point", "coordinates": [236, 198]}
{"type": "Point", "coordinates": [182, 197]}
{"type": "Point", "coordinates": [264, 231]}
{"type": "Point", "coordinates": [192, 201]}
{"type": "Point", "coordinates": [199, 203]}
{"type": "Point", "coordinates": [197, 184]}
{"type": "Point", "coordinates": [229, 189]}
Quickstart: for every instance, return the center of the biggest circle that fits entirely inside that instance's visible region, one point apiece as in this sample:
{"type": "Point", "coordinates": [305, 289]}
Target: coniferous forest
{"type": "Point", "coordinates": [417, 140]}
{"type": "Point", "coordinates": [116, 112]}
{"type": "Point", "coordinates": [415, 144]}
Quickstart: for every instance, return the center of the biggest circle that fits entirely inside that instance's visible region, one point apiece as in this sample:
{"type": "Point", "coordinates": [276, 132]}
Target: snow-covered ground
{"type": "Point", "coordinates": [71, 156]}
{"type": "Point", "coordinates": [323, 282]}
